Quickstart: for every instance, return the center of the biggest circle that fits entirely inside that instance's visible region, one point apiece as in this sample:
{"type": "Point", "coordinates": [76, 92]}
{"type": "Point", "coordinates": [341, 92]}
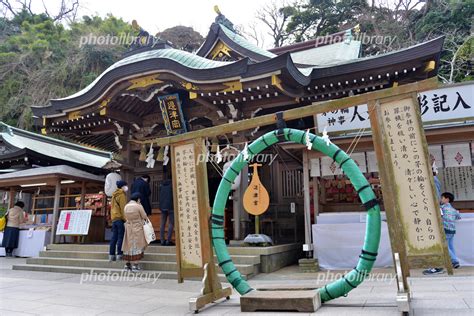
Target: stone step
{"type": "Point", "coordinates": [162, 257]}
{"type": "Point", "coordinates": [157, 248]}
{"type": "Point", "coordinates": [105, 264]}
{"type": "Point", "coordinates": [80, 270]}
{"type": "Point", "coordinates": [105, 248]}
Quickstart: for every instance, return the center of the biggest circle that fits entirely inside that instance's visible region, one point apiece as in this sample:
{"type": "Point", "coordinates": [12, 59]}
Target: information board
{"type": "Point", "coordinates": [74, 222]}
{"type": "Point", "coordinates": [459, 181]}
{"type": "Point", "coordinates": [412, 177]}
{"type": "Point", "coordinates": [188, 206]}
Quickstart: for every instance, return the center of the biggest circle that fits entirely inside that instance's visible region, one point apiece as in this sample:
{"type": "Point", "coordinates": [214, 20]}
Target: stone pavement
{"type": "Point", "coordinates": [42, 293]}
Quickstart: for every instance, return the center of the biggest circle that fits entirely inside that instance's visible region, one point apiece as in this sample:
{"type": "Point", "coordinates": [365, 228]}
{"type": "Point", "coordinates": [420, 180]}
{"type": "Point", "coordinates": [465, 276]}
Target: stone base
{"type": "Point", "coordinates": [281, 300]}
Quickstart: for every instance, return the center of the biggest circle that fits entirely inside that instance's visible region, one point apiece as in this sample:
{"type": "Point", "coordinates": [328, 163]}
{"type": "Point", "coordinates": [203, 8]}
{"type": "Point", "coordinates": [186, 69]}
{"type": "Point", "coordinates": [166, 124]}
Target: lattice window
{"type": "Point", "coordinates": [292, 183]}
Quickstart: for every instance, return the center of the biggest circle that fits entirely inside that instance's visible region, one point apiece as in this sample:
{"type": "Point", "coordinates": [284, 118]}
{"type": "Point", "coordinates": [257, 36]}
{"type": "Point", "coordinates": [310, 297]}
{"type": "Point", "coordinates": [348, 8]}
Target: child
{"type": "Point", "coordinates": [449, 215]}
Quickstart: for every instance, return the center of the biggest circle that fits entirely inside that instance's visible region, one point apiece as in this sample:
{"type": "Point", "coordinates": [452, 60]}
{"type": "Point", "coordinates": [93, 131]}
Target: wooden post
{"type": "Point", "coordinates": [308, 246]}
{"type": "Point", "coordinates": [83, 195]}
{"type": "Point", "coordinates": [57, 197]}
{"type": "Point", "coordinates": [395, 228]}
{"type": "Point", "coordinates": [11, 198]}
{"type": "Point", "coordinates": [316, 199]}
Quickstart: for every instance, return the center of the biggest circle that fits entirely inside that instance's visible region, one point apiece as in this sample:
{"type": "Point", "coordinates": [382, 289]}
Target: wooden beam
{"type": "Point", "coordinates": [124, 117]}
{"type": "Point", "coordinates": [296, 113]}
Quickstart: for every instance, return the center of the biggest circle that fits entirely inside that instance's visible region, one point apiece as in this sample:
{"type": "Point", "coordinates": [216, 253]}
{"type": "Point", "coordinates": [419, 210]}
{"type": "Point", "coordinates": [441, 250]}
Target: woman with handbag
{"type": "Point", "coordinates": [134, 241]}
{"type": "Point", "coordinates": [15, 217]}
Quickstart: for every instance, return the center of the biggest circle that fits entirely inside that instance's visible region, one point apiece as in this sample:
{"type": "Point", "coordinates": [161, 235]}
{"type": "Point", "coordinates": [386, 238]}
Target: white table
{"type": "Point", "coordinates": [337, 246]}
{"type": "Point", "coordinates": [29, 243]}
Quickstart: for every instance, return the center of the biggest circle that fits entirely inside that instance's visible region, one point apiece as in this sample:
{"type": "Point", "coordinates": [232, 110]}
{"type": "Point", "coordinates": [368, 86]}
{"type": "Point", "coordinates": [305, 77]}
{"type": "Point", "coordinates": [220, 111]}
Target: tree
{"type": "Point", "coordinates": [182, 37]}
{"type": "Point", "coordinates": [40, 60]}
{"type": "Point", "coordinates": [312, 18]}
{"type": "Point", "coordinates": [276, 19]}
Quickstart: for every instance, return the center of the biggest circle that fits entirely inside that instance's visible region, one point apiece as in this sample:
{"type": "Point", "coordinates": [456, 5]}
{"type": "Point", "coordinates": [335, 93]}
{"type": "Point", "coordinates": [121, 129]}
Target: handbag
{"type": "Point", "coordinates": [3, 222]}
{"type": "Point", "coordinates": [149, 231]}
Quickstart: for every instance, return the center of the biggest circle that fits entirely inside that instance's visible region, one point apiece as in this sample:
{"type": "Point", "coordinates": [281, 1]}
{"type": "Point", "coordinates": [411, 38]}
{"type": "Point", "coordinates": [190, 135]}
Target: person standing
{"type": "Point", "coordinates": [119, 200]}
{"type": "Point", "coordinates": [15, 217]}
{"type": "Point", "coordinates": [166, 207]}
{"type": "Point", "coordinates": [134, 242]}
{"type": "Point", "coordinates": [450, 215]}
{"type": "Point", "coordinates": [142, 185]}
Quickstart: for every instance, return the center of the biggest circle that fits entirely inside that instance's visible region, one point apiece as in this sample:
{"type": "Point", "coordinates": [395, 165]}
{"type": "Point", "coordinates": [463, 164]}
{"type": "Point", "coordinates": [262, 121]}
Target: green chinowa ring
{"type": "Point", "coordinates": [368, 254]}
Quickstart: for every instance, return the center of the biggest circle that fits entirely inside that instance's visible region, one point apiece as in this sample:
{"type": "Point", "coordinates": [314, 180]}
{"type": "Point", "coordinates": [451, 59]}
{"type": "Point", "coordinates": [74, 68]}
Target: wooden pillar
{"type": "Point", "coordinates": [57, 198]}
{"type": "Point", "coordinates": [11, 198]}
{"type": "Point", "coordinates": [308, 246]}
{"type": "Point", "coordinates": [316, 199]}
{"type": "Point", "coordinates": [83, 195]}
{"type": "Point", "coordinates": [242, 214]}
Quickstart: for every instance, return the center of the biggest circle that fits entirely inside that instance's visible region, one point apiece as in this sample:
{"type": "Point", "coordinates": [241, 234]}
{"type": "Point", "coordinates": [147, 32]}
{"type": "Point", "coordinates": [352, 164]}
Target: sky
{"type": "Point", "coordinates": [155, 16]}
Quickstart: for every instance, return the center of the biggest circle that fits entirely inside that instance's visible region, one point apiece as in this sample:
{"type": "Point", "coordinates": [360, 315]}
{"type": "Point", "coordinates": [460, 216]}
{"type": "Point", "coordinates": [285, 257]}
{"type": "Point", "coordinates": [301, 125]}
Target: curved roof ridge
{"type": "Point", "coordinates": [187, 59]}
{"type": "Point", "coordinates": [242, 41]}
{"type": "Point", "coordinates": [11, 130]}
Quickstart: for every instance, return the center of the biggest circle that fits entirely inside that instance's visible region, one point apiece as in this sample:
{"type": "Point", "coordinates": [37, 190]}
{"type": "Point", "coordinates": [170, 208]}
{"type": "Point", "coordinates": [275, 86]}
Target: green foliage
{"type": "Point", "coordinates": [400, 22]}
{"type": "Point", "coordinates": [314, 18]}
{"type": "Point", "coordinates": [42, 60]}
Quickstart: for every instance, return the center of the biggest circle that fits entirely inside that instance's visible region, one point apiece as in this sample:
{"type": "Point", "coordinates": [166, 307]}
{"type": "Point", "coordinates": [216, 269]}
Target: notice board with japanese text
{"type": "Point", "coordinates": [409, 194]}
{"type": "Point", "coordinates": [191, 204]}
{"type": "Point", "coordinates": [74, 222]}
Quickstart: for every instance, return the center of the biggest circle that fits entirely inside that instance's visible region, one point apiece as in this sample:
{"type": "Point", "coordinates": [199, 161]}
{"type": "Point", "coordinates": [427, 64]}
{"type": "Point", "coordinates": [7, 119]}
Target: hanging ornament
{"type": "Point", "coordinates": [161, 154]}
{"type": "Point", "coordinates": [325, 136]}
{"type": "Point", "coordinates": [218, 155]}
{"type": "Point", "coordinates": [166, 159]}
{"type": "Point", "coordinates": [434, 168]}
{"type": "Point", "coordinates": [215, 145]}
{"type": "Point", "coordinates": [149, 158]}
{"type": "Point", "coordinates": [309, 145]}
{"type": "Point", "coordinates": [142, 156]}
{"type": "Point", "coordinates": [117, 141]}
{"type": "Point", "coordinates": [5, 196]}
{"type": "Point", "coordinates": [245, 152]}
{"type": "Point", "coordinates": [20, 195]}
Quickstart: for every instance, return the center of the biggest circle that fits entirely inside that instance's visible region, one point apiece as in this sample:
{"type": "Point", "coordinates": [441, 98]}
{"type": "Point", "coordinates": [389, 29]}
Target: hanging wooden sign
{"type": "Point", "coordinates": [256, 199]}
{"type": "Point", "coordinates": [172, 114]}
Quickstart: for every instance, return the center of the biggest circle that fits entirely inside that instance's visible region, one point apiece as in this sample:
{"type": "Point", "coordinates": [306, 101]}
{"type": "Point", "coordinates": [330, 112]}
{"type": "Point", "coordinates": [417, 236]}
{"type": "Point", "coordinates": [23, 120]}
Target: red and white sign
{"type": "Point", "coordinates": [74, 222]}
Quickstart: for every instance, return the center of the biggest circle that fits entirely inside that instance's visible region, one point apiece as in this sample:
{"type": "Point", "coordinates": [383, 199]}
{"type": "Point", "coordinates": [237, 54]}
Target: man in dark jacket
{"type": "Point", "coordinates": [166, 207]}
{"type": "Point", "coordinates": [142, 186]}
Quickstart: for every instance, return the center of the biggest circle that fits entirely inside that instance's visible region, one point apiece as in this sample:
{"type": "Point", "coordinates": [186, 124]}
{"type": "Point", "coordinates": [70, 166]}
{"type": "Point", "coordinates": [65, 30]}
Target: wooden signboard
{"type": "Point", "coordinates": [256, 199]}
{"type": "Point", "coordinates": [411, 204]}
{"type": "Point", "coordinates": [191, 203]}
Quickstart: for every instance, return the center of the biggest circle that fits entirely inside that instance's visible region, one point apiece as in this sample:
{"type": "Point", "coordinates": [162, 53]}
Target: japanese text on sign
{"type": "Point", "coordinates": [417, 209]}
{"type": "Point", "coordinates": [172, 114]}
{"type": "Point", "coordinates": [74, 222]}
{"type": "Point", "coordinates": [459, 181]}
{"type": "Point", "coordinates": [188, 207]}
{"type": "Point", "coordinates": [435, 105]}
